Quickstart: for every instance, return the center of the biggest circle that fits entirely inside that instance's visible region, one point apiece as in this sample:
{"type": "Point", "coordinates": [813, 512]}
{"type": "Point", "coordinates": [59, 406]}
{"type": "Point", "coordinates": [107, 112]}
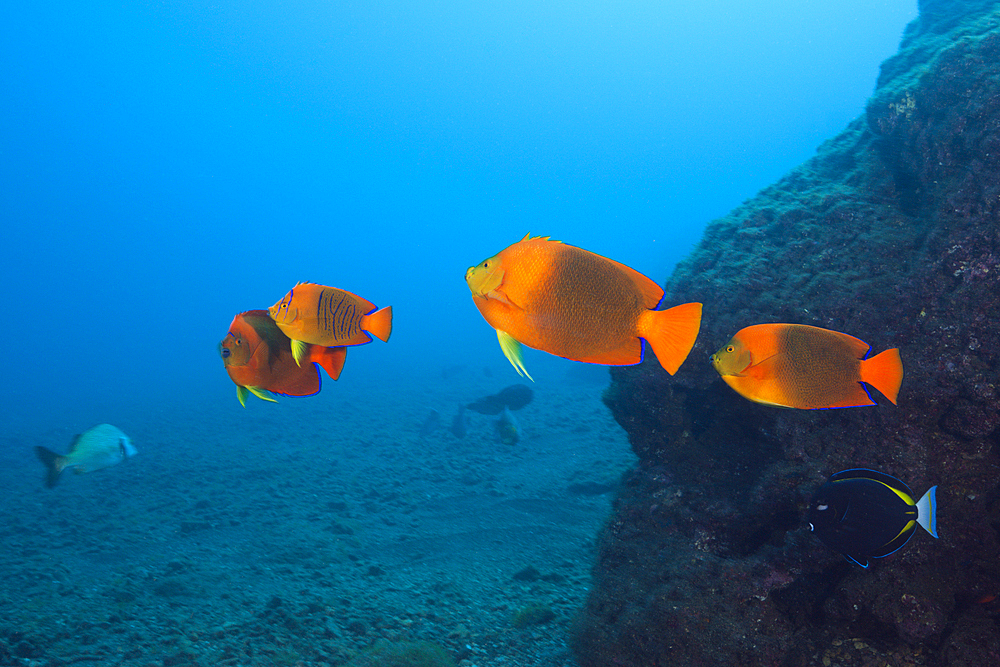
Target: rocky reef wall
{"type": "Point", "coordinates": [891, 233]}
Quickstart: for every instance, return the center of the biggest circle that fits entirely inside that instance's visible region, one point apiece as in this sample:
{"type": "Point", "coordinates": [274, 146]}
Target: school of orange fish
{"type": "Point", "coordinates": [576, 304]}
{"type": "Point", "coordinates": [572, 303]}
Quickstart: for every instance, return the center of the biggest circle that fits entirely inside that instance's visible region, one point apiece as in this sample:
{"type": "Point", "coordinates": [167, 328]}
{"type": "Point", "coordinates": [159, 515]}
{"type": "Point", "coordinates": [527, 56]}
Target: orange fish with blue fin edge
{"type": "Point", "coordinates": [258, 358]}
{"type": "Point", "coordinates": [579, 305]}
{"type": "Point", "coordinates": [313, 314]}
{"type": "Point", "coordinates": [799, 366]}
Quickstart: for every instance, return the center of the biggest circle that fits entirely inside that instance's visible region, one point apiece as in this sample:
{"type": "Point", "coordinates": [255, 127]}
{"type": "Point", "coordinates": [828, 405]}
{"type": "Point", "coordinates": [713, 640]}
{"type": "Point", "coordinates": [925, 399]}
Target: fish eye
{"type": "Point", "coordinates": [730, 348]}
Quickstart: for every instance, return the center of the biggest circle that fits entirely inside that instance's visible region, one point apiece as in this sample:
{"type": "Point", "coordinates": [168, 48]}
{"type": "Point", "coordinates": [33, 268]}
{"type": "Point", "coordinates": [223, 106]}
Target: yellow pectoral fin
{"type": "Point", "coordinates": [242, 393]}
{"type": "Point", "coordinates": [261, 394]}
{"type": "Point", "coordinates": [512, 350]}
{"type": "Point", "coordinates": [300, 351]}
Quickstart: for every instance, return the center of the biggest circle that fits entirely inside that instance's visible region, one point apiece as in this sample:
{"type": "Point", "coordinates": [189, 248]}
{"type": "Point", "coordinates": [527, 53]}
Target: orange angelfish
{"type": "Point", "coordinates": [321, 315]}
{"type": "Point", "coordinates": [575, 304]}
{"type": "Point", "coordinates": [258, 358]}
{"type": "Point", "coordinates": [798, 366]}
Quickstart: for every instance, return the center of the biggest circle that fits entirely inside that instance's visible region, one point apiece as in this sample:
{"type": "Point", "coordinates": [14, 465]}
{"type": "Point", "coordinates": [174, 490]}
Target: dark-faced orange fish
{"type": "Point", "coordinates": [327, 316]}
{"type": "Point", "coordinates": [575, 304]}
{"type": "Point", "coordinates": [799, 366]}
{"type": "Point", "coordinates": [258, 358]}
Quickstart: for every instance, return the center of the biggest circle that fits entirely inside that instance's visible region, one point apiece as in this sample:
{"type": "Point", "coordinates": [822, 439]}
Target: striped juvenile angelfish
{"type": "Point", "coordinates": [320, 315]}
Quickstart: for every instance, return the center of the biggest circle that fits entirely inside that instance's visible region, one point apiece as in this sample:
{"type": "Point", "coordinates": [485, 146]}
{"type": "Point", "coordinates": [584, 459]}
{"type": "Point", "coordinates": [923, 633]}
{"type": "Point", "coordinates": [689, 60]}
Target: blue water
{"type": "Point", "coordinates": [164, 166]}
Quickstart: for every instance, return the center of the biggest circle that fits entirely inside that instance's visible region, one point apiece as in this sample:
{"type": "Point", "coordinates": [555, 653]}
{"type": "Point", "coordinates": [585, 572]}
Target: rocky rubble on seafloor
{"type": "Point", "coordinates": [891, 233]}
{"type": "Point", "coordinates": [312, 533]}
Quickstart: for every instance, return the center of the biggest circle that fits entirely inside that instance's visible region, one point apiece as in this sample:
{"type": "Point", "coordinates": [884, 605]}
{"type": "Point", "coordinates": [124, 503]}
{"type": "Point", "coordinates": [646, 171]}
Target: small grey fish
{"type": "Point", "coordinates": [102, 446]}
{"type": "Point", "coordinates": [508, 428]}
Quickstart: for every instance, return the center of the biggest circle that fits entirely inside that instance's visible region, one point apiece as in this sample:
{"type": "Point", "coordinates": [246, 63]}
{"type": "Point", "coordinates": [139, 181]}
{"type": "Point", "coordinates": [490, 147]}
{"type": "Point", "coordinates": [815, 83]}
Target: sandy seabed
{"type": "Point", "coordinates": [303, 532]}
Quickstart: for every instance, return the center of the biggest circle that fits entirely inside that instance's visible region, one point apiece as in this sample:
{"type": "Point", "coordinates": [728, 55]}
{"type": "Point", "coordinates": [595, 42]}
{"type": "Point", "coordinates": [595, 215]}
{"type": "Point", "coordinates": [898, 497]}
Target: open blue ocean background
{"type": "Point", "coordinates": [168, 165]}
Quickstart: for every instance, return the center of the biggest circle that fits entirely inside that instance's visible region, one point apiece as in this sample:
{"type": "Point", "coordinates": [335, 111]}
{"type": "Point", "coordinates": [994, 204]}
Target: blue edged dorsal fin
{"type": "Point", "coordinates": [874, 475]}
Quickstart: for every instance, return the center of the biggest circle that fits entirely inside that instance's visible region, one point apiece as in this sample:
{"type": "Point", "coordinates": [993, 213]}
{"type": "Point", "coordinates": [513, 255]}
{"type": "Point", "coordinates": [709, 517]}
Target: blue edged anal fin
{"type": "Point", "coordinates": [858, 560]}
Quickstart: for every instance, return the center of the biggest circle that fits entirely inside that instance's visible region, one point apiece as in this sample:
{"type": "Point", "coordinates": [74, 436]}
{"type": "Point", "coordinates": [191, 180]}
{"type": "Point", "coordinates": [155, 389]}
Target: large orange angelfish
{"type": "Point", "coordinates": [258, 358]}
{"type": "Point", "coordinates": [575, 304]}
{"type": "Point", "coordinates": [799, 366]}
{"type": "Point", "coordinates": [321, 315]}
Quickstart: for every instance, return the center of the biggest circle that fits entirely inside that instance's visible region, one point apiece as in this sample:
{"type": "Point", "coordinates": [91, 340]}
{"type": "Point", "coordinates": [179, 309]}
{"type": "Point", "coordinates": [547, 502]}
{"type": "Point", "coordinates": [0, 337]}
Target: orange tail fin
{"type": "Point", "coordinates": [884, 371]}
{"type": "Point", "coordinates": [672, 332]}
{"type": "Point", "coordinates": [379, 323]}
{"type": "Point", "coordinates": [330, 358]}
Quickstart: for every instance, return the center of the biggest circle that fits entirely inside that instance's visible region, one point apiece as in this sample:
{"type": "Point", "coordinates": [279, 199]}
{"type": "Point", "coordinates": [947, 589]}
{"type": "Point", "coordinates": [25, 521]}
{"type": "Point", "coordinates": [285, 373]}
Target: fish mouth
{"type": "Point", "coordinates": [287, 317]}
{"type": "Point", "coordinates": [483, 282]}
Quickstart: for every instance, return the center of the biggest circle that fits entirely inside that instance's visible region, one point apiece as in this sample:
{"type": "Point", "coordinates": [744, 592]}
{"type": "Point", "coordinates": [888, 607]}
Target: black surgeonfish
{"type": "Point", "coordinates": [867, 514]}
{"type": "Point", "coordinates": [513, 397]}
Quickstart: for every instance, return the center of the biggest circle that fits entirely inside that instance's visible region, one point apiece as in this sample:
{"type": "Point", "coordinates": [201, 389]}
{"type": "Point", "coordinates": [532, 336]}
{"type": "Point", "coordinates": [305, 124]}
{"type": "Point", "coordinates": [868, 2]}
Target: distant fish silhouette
{"type": "Point", "coordinates": [508, 428]}
{"type": "Point", "coordinates": [459, 423]}
{"type": "Point", "coordinates": [453, 371]}
{"type": "Point", "coordinates": [513, 397]}
{"type": "Point", "coordinates": [431, 424]}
